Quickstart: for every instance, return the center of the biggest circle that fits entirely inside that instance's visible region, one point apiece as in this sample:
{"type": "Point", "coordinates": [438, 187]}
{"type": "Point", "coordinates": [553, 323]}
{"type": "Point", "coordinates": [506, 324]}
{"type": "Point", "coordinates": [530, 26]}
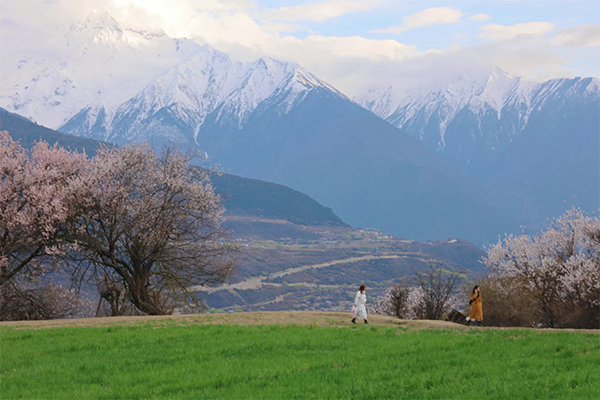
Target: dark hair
{"type": "Point", "coordinates": [476, 287]}
{"type": "Point", "coordinates": [362, 288]}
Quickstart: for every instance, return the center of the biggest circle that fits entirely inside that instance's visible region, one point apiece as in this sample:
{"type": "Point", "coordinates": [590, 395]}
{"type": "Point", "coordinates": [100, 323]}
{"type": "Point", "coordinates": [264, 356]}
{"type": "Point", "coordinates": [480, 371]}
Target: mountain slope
{"type": "Point", "coordinates": [556, 159]}
{"type": "Point", "coordinates": [242, 197]}
{"type": "Point", "coordinates": [474, 116]}
{"type": "Point", "coordinates": [28, 133]}
{"type": "Point", "coordinates": [372, 174]}
{"type": "Point", "coordinates": [533, 145]}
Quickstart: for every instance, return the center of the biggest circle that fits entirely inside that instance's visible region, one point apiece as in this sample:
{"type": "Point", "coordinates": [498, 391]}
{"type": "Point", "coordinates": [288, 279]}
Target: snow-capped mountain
{"type": "Point", "coordinates": [273, 120]}
{"type": "Point", "coordinates": [96, 64]}
{"type": "Point", "coordinates": [174, 107]}
{"type": "Point", "coordinates": [533, 145]}
{"type": "Point", "coordinates": [120, 84]}
{"type": "Point", "coordinates": [266, 119]}
{"type": "Point", "coordinates": [472, 116]}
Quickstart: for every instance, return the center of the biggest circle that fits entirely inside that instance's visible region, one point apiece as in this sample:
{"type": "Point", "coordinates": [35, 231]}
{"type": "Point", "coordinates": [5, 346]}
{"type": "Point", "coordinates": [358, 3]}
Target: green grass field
{"type": "Point", "coordinates": [174, 360]}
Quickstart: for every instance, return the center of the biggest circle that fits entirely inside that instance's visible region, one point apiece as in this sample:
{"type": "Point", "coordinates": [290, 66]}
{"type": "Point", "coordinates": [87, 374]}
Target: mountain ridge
{"type": "Point", "coordinates": [241, 196]}
{"type": "Point", "coordinates": [208, 83]}
{"type": "Point", "coordinates": [533, 146]}
{"type": "Point", "coordinates": [470, 114]}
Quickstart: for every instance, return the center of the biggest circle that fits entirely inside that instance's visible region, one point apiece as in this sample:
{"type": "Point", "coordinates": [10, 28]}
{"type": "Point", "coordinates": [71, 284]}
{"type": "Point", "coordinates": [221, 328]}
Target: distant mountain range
{"type": "Point", "coordinates": [474, 117]}
{"type": "Point", "coordinates": [534, 145]}
{"type": "Point", "coordinates": [476, 156]}
{"type": "Point", "coordinates": [206, 90]}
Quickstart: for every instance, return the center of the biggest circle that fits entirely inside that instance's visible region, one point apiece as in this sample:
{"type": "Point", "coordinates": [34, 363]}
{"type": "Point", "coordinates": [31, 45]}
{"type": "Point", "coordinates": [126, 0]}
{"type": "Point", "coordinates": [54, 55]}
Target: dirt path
{"type": "Point", "coordinates": [258, 281]}
{"type": "Point", "coordinates": [320, 318]}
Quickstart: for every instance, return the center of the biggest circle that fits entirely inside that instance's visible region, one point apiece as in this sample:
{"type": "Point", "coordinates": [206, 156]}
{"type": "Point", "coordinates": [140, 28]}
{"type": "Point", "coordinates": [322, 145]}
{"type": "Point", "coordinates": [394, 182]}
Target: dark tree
{"type": "Point", "coordinates": [437, 286]}
{"type": "Point", "coordinates": [395, 301]}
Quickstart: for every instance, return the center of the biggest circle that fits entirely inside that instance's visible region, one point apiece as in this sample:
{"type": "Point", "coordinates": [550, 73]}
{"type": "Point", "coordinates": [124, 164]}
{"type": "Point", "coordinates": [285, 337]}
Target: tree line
{"type": "Point", "coordinates": [550, 279]}
{"type": "Point", "coordinates": [142, 227]}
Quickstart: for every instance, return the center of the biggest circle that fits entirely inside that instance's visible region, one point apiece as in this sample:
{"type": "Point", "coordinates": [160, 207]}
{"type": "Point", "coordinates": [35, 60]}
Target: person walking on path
{"type": "Point", "coordinates": [359, 303]}
{"type": "Point", "coordinates": [476, 313]}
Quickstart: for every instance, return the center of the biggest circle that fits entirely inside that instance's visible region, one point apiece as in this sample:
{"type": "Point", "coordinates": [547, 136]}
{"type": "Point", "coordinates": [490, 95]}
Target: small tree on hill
{"type": "Point", "coordinates": [436, 286]}
{"type": "Point", "coordinates": [153, 227]}
{"type": "Point", "coordinates": [395, 301]}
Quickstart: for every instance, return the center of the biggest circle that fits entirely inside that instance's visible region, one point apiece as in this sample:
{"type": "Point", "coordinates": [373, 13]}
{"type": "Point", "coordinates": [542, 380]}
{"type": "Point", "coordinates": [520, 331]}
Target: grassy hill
{"type": "Point", "coordinates": [27, 133]}
{"type": "Point", "coordinates": [292, 355]}
{"type": "Point", "coordinates": [291, 267]}
{"type": "Point", "coordinates": [251, 197]}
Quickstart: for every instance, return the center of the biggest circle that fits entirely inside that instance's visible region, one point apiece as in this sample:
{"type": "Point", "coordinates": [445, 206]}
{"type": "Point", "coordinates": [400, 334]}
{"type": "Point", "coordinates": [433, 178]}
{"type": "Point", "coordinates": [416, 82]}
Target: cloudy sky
{"type": "Point", "coordinates": [352, 44]}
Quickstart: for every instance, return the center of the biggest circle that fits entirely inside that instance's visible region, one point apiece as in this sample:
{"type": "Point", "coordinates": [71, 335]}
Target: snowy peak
{"type": "Point", "coordinates": [114, 82]}
{"type": "Point", "coordinates": [37, 89]}
{"type": "Point", "coordinates": [207, 85]}
{"type": "Point", "coordinates": [97, 27]}
{"type": "Point", "coordinates": [496, 92]}
{"type": "Point", "coordinates": [483, 109]}
{"type": "Point", "coordinates": [569, 87]}
{"type": "Point", "coordinates": [479, 92]}
{"type": "Point", "coordinates": [101, 65]}
{"type": "Point", "coordinates": [490, 88]}
{"type": "Point", "coordinates": [101, 35]}
{"type": "Point", "coordinates": [593, 86]}
{"type": "Point", "coordinates": [209, 79]}
{"type": "Point", "coordinates": [382, 102]}
{"type": "Point", "coordinates": [96, 21]}
{"type": "Point", "coordinates": [198, 84]}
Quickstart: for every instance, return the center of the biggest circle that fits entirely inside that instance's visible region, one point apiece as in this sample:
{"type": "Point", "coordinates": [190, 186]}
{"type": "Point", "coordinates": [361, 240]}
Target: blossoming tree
{"type": "Point", "coordinates": [39, 203]}
{"type": "Point", "coordinates": [153, 227]}
{"type": "Point", "coordinates": [560, 266]}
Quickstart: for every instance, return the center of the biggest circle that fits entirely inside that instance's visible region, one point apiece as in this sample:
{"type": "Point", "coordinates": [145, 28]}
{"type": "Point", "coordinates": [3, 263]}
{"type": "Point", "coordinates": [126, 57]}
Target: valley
{"type": "Point", "coordinates": [299, 267]}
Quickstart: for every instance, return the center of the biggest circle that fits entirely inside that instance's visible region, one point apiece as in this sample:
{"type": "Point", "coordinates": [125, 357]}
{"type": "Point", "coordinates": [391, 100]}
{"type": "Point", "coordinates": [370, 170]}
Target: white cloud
{"type": "Point", "coordinates": [428, 17]}
{"type": "Point", "coordinates": [392, 29]}
{"type": "Point", "coordinates": [280, 27]}
{"type": "Point", "coordinates": [531, 61]}
{"type": "Point", "coordinates": [502, 32]}
{"type": "Point", "coordinates": [535, 51]}
{"type": "Point", "coordinates": [185, 18]}
{"type": "Point", "coordinates": [480, 17]}
{"type": "Point", "coordinates": [339, 61]}
{"type": "Point", "coordinates": [204, 5]}
{"type": "Point", "coordinates": [319, 11]}
{"type": "Point", "coordinates": [356, 46]}
{"type": "Point", "coordinates": [433, 16]}
{"type": "Point", "coordinates": [579, 36]}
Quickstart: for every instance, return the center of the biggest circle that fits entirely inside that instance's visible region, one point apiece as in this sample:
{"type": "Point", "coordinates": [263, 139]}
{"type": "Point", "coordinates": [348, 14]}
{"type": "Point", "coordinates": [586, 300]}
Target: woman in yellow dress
{"type": "Point", "coordinates": [476, 309]}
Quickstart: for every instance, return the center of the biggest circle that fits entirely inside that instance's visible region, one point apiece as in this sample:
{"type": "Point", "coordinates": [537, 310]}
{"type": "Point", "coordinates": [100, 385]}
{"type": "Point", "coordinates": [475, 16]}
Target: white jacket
{"type": "Point", "coordinates": [360, 298]}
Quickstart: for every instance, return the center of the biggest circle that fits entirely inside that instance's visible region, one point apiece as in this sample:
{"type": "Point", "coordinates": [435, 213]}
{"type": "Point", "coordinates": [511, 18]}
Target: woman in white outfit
{"type": "Point", "coordinates": [359, 301]}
